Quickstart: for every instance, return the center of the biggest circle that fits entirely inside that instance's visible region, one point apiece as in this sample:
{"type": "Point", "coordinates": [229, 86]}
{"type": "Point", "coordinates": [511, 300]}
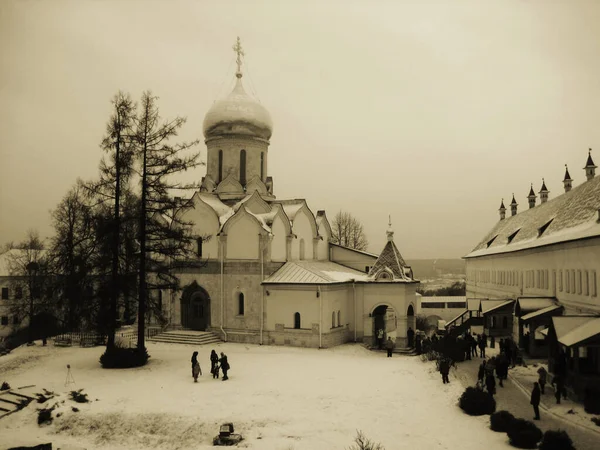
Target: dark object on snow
{"type": "Point", "coordinates": [122, 358]}
{"type": "Point", "coordinates": [500, 421]}
{"type": "Point", "coordinates": [45, 415]}
{"type": "Point", "coordinates": [74, 409]}
{"type": "Point", "coordinates": [591, 401]}
{"type": "Point", "coordinates": [524, 434]}
{"type": "Point", "coordinates": [79, 397]}
{"type": "Point", "coordinates": [35, 447]}
{"type": "Point", "coordinates": [556, 440]}
{"type": "Point", "coordinates": [226, 436]}
{"type": "Point", "coordinates": [5, 386]}
{"type": "Point", "coordinates": [596, 420]}
{"type": "Point", "coordinates": [475, 402]}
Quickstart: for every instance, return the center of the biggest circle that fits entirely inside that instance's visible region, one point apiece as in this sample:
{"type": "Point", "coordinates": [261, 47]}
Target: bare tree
{"type": "Point", "coordinates": [348, 231]}
{"type": "Point", "coordinates": [164, 237]}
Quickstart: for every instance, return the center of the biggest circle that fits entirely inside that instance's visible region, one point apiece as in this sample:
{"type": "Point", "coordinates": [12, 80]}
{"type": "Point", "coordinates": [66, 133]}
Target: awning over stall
{"type": "Point", "coordinates": [571, 330]}
{"type": "Point", "coordinates": [541, 312]}
{"type": "Point", "coordinates": [526, 305]}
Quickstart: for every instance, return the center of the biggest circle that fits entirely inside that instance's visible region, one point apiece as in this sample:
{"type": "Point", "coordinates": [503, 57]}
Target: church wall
{"type": "Point", "coordinates": [351, 258]}
{"type": "Point", "coordinates": [283, 302]}
{"type": "Point", "coordinates": [279, 242]}
{"type": "Point", "coordinates": [303, 230]}
{"type": "Point", "coordinates": [242, 239]}
{"type": "Point", "coordinates": [541, 272]}
{"type": "Point", "coordinates": [323, 245]}
{"type": "Point", "coordinates": [205, 223]}
{"type": "Point", "coordinates": [231, 147]}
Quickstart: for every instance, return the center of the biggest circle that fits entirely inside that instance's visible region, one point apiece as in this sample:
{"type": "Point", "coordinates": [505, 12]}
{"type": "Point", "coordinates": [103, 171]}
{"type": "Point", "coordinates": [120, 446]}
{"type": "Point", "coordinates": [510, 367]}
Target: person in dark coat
{"type": "Point", "coordinates": [490, 383]}
{"type": "Point", "coordinates": [481, 373]}
{"type": "Point", "coordinates": [501, 368]}
{"type": "Point", "coordinates": [389, 346]}
{"type": "Point", "coordinates": [445, 370]}
{"type": "Point", "coordinates": [473, 341]}
{"type": "Point", "coordinates": [482, 345]}
{"type": "Point", "coordinates": [535, 400]}
{"type": "Point", "coordinates": [410, 334]}
{"type": "Point", "coordinates": [195, 367]}
{"type": "Point", "coordinates": [559, 385]}
{"type": "Point", "coordinates": [224, 365]}
{"type": "Point", "coordinates": [543, 375]}
{"type": "Point", "coordinates": [214, 362]}
{"type": "Point", "coordinates": [418, 345]}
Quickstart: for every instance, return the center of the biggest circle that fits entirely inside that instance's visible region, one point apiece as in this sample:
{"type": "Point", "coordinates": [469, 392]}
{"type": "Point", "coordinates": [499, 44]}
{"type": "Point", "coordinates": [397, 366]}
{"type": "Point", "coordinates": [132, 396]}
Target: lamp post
{"type": "Point", "coordinates": [32, 268]}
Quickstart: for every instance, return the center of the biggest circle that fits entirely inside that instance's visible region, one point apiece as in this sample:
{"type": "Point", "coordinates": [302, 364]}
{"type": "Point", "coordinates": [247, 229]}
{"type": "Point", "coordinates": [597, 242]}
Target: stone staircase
{"type": "Point", "coordinates": [13, 400]}
{"type": "Point", "coordinates": [397, 350]}
{"type": "Point", "coordinates": [189, 337]}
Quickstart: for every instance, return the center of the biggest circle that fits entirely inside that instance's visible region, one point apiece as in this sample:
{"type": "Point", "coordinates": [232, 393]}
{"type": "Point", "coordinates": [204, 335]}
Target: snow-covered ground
{"type": "Point", "coordinates": [278, 398]}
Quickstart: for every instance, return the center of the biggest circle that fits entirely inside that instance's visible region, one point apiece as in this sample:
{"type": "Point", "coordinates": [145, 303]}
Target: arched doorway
{"type": "Point", "coordinates": [385, 323]}
{"type": "Point", "coordinates": [195, 308]}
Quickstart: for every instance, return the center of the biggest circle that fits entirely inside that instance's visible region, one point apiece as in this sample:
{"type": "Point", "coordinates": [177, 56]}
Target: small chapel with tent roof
{"type": "Point", "coordinates": [271, 273]}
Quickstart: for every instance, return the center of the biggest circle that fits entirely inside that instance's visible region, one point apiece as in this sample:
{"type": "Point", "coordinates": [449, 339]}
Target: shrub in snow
{"type": "Point", "coordinates": [596, 420]}
{"type": "Point", "coordinates": [5, 386]}
{"type": "Point", "coordinates": [47, 395]}
{"type": "Point", "coordinates": [524, 434]}
{"type": "Point", "coordinates": [501, 420]}
{"type": "Point", "coordinates": [121, 358]}
{"type": "Point", "coordinates": [362, 443]}
{"type": "Point", "coordinates": [556, 440]}
{"type": "Point", "coordinates": [45, 415]}
{"type": "Point", "coordinates": [591, 401]}
{"type": "Point", "coordinates": [475, 402]}
{"type": "Point", "coordinates": [79, 397]}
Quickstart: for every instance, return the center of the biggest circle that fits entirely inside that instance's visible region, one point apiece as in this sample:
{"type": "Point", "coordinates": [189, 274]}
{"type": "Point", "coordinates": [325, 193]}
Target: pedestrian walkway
{"type": "Point", "coordinates": [515, 399]}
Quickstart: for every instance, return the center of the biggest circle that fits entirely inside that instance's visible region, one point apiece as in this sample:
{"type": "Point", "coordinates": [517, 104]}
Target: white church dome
{"type": "Point", "coordinates": [238, 113]}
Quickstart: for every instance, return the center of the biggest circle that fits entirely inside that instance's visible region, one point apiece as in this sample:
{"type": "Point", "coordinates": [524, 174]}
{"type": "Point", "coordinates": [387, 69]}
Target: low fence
{"type": "Point", "coordinates": [127, 338]}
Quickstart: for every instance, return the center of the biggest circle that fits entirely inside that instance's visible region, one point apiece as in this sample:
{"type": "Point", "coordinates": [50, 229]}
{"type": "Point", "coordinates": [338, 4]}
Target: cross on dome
{"type": "Point", "coordinates": [237, 48]}
{"type": "Point", "coordinates": [390, 232]}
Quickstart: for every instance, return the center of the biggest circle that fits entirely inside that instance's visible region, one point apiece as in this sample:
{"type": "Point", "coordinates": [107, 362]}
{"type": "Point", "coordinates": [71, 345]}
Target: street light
{"type": "Point", "coordinates": [32, 268]}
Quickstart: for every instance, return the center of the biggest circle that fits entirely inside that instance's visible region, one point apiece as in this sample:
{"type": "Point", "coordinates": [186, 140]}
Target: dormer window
{"type": "Point", "coordinates": [491, 241]}
{"type": "Point", "coordinates": [544, 227]}
{"type": "Point", "coordinates": [512, 236]}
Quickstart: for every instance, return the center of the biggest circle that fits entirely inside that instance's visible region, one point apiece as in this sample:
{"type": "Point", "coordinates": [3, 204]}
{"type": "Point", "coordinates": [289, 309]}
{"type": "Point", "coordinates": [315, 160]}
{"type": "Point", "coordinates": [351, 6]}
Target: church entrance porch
{"type": "Point", "coordinates": [385, 324]}
{"type": "Point", "coordinates": [195, 308]}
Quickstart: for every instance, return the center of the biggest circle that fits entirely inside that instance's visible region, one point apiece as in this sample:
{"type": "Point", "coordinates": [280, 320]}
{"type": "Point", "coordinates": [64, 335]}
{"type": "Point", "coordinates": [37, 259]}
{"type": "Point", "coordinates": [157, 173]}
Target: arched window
{"type": "Point", "coordinates": [410, 311]}
{"type": "Point", "coordinates": [333, 319]}
{"type": "Point", "coordinates": [339, 318]}
{"type": "Point", "coordinates": [243, 167]}
{"type": "Point", "coordinates": [199, 247]}
{"type": "Point", "coordinates": [241, 304]}
{"type": "Point", "coordinates": [220, 166]}
{"type": "Point", "coordinates": [302, 255]}
{"type": "Point", "coordinates": [297, 321]}
{"type": "Point", "coordinates": [262, 166]}
{"type": "Point", "coordinates": [505, 322]}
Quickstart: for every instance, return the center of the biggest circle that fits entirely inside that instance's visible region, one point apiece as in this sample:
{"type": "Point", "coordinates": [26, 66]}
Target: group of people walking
{"type": "Point", "coordinates": [216, 364]}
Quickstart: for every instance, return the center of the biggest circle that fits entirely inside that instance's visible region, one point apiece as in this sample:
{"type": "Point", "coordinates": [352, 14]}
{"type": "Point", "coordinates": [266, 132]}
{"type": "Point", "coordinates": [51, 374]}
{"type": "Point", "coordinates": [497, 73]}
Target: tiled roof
{"type": "Point", "coordinates": [572, 215]}
{"type": "Point", "coordinates": [391, 259]}
{"type": "Point", "coordinates": [314, 272]}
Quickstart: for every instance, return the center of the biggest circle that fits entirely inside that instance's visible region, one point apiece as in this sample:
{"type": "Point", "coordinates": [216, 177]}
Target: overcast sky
{"type": "Point", "coordinates": [431, 111]}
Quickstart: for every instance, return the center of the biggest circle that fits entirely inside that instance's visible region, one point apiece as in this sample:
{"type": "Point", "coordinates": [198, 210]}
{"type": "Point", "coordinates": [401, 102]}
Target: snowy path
{"type": "Point", "coordinates": [279, 398]}
{"type": "Point", "coordinates": [512, 399]}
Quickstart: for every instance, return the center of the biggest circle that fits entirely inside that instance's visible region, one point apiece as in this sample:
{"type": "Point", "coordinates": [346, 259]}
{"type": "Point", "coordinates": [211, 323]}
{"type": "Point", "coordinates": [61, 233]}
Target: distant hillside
{"type": "Point", "coordinates": [431, 268]}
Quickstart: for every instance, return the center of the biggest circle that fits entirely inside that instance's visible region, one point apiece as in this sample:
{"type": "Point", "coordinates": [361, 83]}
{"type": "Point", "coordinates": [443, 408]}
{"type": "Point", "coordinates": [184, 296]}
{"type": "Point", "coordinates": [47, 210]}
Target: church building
{"type": "Point", "coordinates": [270, 272]}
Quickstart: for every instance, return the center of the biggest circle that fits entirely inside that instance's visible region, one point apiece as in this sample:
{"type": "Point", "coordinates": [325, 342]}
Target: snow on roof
{"type": "Point", "coordinates": [527, 305]}
{"type": "Point", "coordinates": [261, 219]}
{"type": "Point", "coordinates": [581, 333]}
{"type": "Point", "coordinates": [572, 215]}
{"type": "Point", "coordinates": [563, 325]}
{"type": "Point", "coordinates": [354, 250]}
{"type": "Point", "coordinates": [291, 207]}
{"type": "Point", "coordinates": [473, 304]}
{"type": "Point", "coordinates": [314, 272]}
{"type": "Point", "coordinates": [541, 312]}
{"type": "Point", "coordinates": [488, 306]}
{"type": "Point", "coordinates": [215, 203]}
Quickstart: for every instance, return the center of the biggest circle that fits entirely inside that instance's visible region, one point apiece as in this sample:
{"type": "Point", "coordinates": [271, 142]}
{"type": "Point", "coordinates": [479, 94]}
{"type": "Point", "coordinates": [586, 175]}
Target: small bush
{"type": "Point", "coordinates": [524, 434]}
{"type": "Point", "coordinates": [47, 395]}
{"type": "Point", "coordinates": [591, 401]}
{"type": "Point", "coordinates": [500, 421]}
{"type": "Point", "coordinates": [45, 415]}
{"type": "Point", "coordinates": [122, 358]}
{"type": "Point", "coordinates": [475, 402]}
{"type": "Point", "coordinates": [362, 443]}
{"type": "Point", "coordinates": [596, 420]}
{"type": "Point", "coordinates": [5, 386]}
{"type": "Point", "coordinates": [556, 440]}
{"type": "Point", "coordinates": [79, 397]}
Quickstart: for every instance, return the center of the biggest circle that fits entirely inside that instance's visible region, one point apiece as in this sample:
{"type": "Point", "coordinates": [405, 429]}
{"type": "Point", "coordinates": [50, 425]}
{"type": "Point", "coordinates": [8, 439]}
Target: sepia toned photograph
{"type": "Point", "coordinates": [299, 225]}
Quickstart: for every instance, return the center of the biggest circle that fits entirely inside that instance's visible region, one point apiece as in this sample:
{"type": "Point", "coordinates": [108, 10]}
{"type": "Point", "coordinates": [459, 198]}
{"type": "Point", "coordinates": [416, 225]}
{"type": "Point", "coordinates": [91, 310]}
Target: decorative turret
{"type": "Point", "coordinates": [590, 167]}
{"type": "Point", "coordinates": [390, 231]}
{"type": "Point", "coordinates": [567, 181]}
{"type": "Point", "coordinates": [513, 206]}
{"type": "Point", "coordinates": [502, 210]}
{"type": "Point", "coordinates": [531, 197]}
{"type": "Point", "coordinates": [544, 192]}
